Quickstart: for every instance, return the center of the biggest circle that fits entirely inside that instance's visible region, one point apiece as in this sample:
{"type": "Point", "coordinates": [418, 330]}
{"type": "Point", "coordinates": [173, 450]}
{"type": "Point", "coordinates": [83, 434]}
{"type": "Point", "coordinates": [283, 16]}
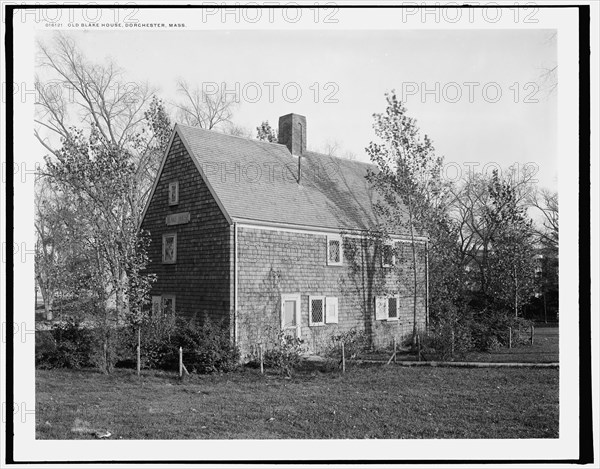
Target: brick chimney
{"type": "Point", "coordinates": [292, 133]}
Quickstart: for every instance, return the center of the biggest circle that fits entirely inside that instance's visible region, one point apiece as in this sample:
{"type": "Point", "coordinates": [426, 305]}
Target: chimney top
{"type": "Point", "coordinates": [292, 133]}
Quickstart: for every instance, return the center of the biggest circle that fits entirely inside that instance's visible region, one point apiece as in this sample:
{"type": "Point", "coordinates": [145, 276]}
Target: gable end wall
{"type": "Point", "coordinates": [201, 277]}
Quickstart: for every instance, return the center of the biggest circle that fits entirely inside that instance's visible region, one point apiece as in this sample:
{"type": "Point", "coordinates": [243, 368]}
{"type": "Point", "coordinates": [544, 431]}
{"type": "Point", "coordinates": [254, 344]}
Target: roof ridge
{"type": "Point", "coordinates": [365, 163]}
{"type": "Point", "coordinates": [250, 139]}
{"type": "Point", "coordinates": [255, 140]}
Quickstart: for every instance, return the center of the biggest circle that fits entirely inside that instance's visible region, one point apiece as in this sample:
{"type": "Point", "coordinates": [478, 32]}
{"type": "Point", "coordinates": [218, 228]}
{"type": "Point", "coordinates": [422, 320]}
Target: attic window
{"type": "Point", "coordinates": [334, 250]}
{"type": "Point", "coordinates": [169, 248]}
{"type": "Point", "coordinates": [174, 193]}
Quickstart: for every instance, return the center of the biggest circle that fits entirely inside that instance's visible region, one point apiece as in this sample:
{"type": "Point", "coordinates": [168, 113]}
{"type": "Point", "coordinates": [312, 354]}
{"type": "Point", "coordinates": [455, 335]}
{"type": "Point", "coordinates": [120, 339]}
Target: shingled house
{"type": "Point", "coordinates": [271, 237]}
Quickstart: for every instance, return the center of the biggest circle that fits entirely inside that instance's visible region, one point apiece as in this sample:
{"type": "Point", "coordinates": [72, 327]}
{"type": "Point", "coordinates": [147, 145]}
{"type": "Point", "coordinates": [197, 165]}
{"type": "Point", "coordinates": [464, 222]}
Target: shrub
{"type": "Point", "coordinates": [447, 339]}
{"type": "Point", "coordinates": [285, 356]}
{"type": "Point", "coordinates": [68, 345]}
{"type": "Point", "coordinates": [156, 334]}
{"type": "Point", "coordinates": [207, 347]}
{"type": "Point", "coordinates": [355, 343]}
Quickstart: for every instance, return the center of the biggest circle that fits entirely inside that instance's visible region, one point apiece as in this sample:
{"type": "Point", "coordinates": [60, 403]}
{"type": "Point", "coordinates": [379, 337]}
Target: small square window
{"type": "Point", "coordinates": [169, 248]}
{"type": "Point", "coordinates": [316, 314]}
{"type": "Point", "coordinates": [174, 193]}
{"type": "Point", "coordinates": [334, 250]}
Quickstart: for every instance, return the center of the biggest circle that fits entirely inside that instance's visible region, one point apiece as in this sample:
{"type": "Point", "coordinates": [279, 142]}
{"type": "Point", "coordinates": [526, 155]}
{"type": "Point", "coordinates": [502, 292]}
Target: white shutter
{"type": "Point", "coordinates": [381, 309]}
{"type": "Point", "coordinates": [331, 310]}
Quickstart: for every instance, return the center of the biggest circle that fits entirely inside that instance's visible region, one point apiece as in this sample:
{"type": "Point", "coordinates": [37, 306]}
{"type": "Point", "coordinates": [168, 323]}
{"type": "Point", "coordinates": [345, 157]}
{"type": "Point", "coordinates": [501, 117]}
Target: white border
{"type": "Point", "coordinates": [26, 447]}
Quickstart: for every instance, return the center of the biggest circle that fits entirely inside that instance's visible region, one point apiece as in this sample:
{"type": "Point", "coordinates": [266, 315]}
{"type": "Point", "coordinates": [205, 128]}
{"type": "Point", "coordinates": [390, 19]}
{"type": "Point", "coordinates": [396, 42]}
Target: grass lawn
{"type": "Point", "coordinates": [369, 401]}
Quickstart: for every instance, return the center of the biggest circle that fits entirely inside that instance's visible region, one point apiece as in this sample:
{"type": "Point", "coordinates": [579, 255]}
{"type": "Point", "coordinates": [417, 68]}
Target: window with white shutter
{"type": "Point", "coordinates": [316, 311]}
{"type": "Point", "coordinates": [334, 250]}
{"type": "Point", "coordinates": [331, 310]}
{"type": "Point", "coordinates": [387, 308]}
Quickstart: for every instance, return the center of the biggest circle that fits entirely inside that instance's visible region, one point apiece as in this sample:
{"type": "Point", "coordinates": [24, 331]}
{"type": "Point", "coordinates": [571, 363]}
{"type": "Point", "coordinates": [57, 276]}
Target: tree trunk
{"type": "Point", "coordinates": [415, 277]}
{"type": "Point", "coordinates": [516, 292]}
{"type": "Point", "coordinates": [46, 298]}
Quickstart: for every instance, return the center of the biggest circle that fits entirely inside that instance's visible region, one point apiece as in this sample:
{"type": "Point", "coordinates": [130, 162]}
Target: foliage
{"type": "Point", "coordinates": [408, 178]}
{"type": "Point", "coordinates": [104, 145]}
{"type": "Point", "coordinates": [265, 132]}
{"type": "Point", "coordinates": [460, 331]}
{"type": "Point", "coordinates": [207, 347]}
{"type": "Point", "coordinates": [355, 343]}
{"type": "Point", "coordinates": [67, 345]}
{"type": "Point", "coordinates": [285, 355]}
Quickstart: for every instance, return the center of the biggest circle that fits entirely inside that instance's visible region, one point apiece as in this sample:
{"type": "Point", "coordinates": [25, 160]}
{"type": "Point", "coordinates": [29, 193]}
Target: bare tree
{"type": "Point", "coordinates": [199, 108]}
{"type": "Point", "coordinates": [77, 92]}
{"type": "Point", "coordinates": [237, 130]}
{"type": "Point", "coordinates": [546, 202]}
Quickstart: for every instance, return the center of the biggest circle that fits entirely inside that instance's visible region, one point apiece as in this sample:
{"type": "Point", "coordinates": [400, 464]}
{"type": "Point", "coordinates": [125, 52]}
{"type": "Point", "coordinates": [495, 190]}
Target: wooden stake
{"type": "Point", "coordinates": [139, 352]}
{"type": "Point", "coordinates": [452, 344]}
{"type": "Point", "coordinates": [260, 351]}
{"type": "Point", "coordinates": [343, 359]}
{"type": "Point", "coordinates": [418, 347]}
{"type": "Point", "coordinates": [509, 337]}
{"type": "Point", "coordinates": [393, 357]}
{"type": "Point", "coordinates": [180, 362]}
{"type": "Point", "coordinates": [532, 333]}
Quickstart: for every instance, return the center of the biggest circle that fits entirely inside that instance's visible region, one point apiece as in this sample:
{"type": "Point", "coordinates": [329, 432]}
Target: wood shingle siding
{"type": "Point", "coordinates": [200, 278]}
{"type": "Point", "coordinates": [272, 263]}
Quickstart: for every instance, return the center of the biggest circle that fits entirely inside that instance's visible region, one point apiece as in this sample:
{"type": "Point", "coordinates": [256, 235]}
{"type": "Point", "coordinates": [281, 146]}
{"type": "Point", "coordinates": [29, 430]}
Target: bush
{"type": "Point", "coordinates": [208, 347]}
{"type": "Point", "coordinates": [355, 343]}
{"type": "Point", "coordinates": [67, 345]}
{"type": "Point", "coordinates": [285, 356]}
{"type": "Point", "coordinates": [156, 334]}
{"type": "Point", "coordinates": [490, 330]}
{"type": "Point", "coordinates": [447, 340]}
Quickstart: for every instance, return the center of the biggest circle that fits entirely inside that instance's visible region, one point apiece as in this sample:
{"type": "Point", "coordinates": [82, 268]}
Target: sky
{"type": "Point", "coordinates": [478, 94]}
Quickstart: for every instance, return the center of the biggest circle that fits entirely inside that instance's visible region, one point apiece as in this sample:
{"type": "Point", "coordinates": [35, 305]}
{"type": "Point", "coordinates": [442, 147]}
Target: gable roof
{"type": "Point", "coordinates": [257, 180]}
